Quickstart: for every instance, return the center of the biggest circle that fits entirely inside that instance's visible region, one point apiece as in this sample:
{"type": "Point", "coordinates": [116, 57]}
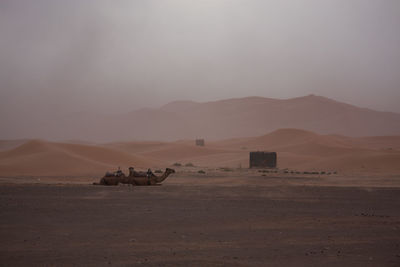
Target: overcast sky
{"type": "Point", "coordinates": [116, 56]}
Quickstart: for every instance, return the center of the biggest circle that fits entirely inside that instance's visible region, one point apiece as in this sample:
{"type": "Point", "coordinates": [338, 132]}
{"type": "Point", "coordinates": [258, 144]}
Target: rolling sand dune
{"type": "Point", "coordinates": [183, 152]}
{"type": "Point", "coordinates": [306, 150]}
{"type": "Point", "coordinates": [372, 162]}
{"type": "Point", "coordinates": [378, 142]}
{"type": "Point", "coordinates": [10, 144]}
{"type": "Point", "coordinates": [46, 158]}
{"type": "Point", "coordinates": [297, 150]}
{"type": "Point", "coordinates": [138, 147]}
{"type": "Point", "coordinates": [285, 138]}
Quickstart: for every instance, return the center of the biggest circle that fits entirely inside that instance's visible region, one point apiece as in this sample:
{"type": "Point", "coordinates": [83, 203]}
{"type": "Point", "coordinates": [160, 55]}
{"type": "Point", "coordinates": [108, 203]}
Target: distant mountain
{"type": "Point", "coordinates": [251, 116]}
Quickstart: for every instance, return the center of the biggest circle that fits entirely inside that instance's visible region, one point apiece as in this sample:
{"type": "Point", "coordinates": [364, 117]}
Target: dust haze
{"type": "Point", "coordinates": [103, 104]}
{"type": "Point", "coordinates": [62, 57]}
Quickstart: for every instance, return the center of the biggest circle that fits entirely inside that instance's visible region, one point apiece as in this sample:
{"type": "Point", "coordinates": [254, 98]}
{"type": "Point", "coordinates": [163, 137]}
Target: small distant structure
{"type": "Point", "coordinates": [200, 142]}
{"type": "Point", "coordinates": [262, 159]}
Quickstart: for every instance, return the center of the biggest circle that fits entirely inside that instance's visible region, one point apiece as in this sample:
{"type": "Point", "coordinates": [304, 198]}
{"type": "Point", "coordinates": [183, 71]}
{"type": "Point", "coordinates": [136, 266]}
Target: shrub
{"type": "Point", "coordinates": [177, 164]}
{"type": "Point", "coordinates": [189, 164]}
{"type": "Point", "coordinates": [202, 172]}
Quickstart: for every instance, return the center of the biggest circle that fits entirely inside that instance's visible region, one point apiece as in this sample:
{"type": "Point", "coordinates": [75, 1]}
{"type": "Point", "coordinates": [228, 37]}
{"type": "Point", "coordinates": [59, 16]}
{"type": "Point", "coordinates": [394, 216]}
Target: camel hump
{"type": "Point", "coordinates": [139, 174]}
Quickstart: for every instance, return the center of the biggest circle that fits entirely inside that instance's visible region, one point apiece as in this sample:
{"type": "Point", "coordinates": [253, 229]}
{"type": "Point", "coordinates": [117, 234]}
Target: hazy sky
{"type": "Point", "coordinates": [114, 56]}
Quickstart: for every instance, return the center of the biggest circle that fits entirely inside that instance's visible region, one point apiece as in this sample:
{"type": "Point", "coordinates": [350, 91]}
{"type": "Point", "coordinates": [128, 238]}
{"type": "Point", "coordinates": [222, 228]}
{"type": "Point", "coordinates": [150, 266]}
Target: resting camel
{"type": "Point", "coordinates": [134, 178]}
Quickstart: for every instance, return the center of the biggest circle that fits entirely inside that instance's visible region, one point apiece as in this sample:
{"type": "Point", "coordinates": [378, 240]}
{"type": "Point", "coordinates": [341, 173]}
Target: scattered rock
{"type": "Point", "coordinates": [372, 215]}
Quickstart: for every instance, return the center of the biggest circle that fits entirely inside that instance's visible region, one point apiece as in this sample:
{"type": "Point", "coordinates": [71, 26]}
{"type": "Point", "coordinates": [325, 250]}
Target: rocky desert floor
{"type": "Point", "coordinates": [221, 218]}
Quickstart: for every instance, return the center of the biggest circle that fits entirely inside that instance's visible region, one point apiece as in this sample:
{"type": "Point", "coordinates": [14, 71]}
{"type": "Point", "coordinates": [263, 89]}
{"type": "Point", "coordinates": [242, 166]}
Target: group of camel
{"type": "Point", "coordinates": [134, 177]}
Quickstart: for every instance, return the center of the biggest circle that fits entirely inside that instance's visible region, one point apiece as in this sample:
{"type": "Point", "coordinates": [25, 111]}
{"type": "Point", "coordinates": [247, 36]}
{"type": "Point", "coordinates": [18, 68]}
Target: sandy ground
{"type": "Point", "coordinates": [238, 218]}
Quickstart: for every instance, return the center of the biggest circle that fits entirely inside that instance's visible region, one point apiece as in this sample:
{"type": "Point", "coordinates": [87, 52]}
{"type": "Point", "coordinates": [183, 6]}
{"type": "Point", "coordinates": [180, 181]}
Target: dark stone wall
{"type": "Point", "coordinates": [200, 142]}
{"type": "Point", "coordinates": [261, 159]}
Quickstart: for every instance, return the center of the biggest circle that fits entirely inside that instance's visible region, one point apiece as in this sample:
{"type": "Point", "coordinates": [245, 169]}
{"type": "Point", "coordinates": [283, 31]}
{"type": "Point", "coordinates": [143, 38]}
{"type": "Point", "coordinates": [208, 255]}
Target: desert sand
{"type": "Point", "coordinates": [36, 157]}
{"type": "Point", "coordinates": [345, 213]}
{"type": "Point", "coordinates": [298, 150]}
{"type": "Point", "coordinates": [221, 218]}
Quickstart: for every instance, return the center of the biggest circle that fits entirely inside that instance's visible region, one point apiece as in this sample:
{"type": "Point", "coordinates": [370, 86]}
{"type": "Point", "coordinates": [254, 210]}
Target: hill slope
{"type": "Point", "coordinates": [251, 116]}
{"type": "Point", "coordinates": [304, 150]}
{"type": "Point", "coordinates": [47, 158]}
{"type": "Point", "coordinates": [255, 116]}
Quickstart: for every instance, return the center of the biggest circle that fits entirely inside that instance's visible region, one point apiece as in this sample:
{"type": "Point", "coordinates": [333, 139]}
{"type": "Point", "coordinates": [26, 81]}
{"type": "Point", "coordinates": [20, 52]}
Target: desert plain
{"type": "Point", "coordinates": [333, 200]}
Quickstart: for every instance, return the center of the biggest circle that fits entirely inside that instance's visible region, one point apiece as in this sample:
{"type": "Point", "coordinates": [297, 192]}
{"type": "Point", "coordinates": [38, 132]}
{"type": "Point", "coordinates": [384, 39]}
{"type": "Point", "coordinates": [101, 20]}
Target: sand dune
{"type": "Point", "coordinates": [378, 142]}
{"type": "Point", "coordinates": [47, 158]}
{"type": "Point", "coordinates": [181, 152]}
{"type": "Point", "coordinates": [305, 150]}
{"type": "Point", "coordinates": [10, 144]}
{"type": "Point", "coordinates": [297, 149]}
{"type": "Point", "coordinates": [284, 138]}
{"type": "Point", "coordinates": [137, 147]}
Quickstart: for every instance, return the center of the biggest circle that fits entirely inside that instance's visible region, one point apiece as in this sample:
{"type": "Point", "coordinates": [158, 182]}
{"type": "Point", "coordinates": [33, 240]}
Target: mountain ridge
{"type": "Point", "coordinates": [217, 120]}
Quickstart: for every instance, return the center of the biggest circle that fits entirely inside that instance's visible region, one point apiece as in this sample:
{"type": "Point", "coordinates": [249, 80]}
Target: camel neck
{"type": "Point", "coordinates": [162, 177]}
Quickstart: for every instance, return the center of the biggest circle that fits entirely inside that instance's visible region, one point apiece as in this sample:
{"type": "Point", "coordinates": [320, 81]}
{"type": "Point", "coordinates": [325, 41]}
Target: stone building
{"type": "Point", "coordinates": [262, 159]}
{"type": "Point", "coordinates": [200, 142]}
